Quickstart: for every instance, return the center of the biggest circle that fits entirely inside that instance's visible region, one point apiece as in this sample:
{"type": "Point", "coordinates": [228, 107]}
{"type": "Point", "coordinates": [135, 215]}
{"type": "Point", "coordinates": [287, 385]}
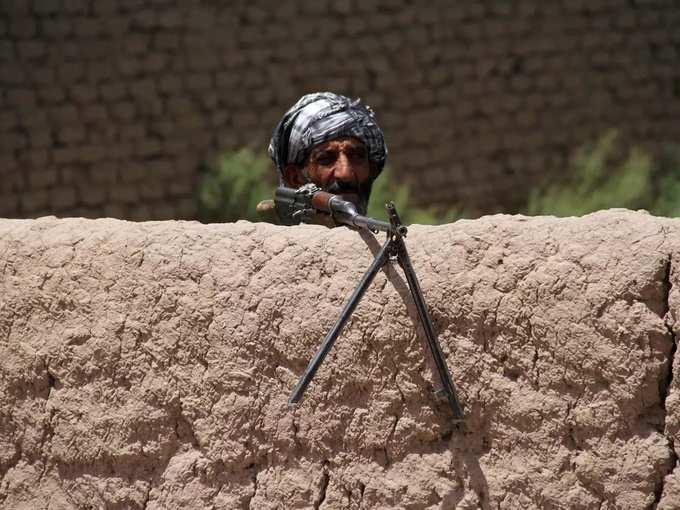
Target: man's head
{"type": "Point", "coordinates": [332, 141]}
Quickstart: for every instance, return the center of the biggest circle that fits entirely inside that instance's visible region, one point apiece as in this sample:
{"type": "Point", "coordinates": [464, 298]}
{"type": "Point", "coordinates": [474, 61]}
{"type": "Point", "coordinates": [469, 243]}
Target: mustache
{"type": "Point", "coordinates": [338, 187]}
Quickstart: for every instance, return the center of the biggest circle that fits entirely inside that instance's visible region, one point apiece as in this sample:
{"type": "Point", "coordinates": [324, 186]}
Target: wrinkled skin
{"type": "Point", "coordinates": [339, 166]}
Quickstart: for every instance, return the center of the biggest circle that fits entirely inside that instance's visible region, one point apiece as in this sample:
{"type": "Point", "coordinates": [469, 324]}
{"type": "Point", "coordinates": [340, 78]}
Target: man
{"type": "Point", "coordinates": [332, 141]}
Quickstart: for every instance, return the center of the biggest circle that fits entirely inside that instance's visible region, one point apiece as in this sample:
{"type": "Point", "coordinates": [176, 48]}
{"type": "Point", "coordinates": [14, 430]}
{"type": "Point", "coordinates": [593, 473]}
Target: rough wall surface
{"type": "Point", "coordinates": [108, 107]}
{"type": "Point", "coordinates": [148, 365]}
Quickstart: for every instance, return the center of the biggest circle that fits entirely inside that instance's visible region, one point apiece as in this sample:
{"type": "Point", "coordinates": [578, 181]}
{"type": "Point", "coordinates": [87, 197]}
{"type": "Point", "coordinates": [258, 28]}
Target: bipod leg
{"type": "Point", "coordinates": [432, 342]}
{"type": "Point", "coordinates": [379, 261]}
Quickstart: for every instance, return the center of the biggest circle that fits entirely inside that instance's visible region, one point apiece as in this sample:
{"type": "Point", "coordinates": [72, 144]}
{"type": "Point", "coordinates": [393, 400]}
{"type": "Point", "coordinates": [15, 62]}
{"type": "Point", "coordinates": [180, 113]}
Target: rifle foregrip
{"type": "Point", "coordinates": [321, 201]}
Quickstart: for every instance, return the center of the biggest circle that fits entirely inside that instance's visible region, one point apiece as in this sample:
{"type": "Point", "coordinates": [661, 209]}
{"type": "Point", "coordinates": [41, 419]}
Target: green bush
{"type": "Point", "coordinates": [232, 187]}
{"type": "Point", "coordinates": [596, 183]}
{"type": "Point", "coordinates": [386, 189]}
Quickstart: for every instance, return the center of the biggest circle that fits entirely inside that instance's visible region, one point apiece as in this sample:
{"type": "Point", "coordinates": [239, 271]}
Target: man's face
{"type": "Point", "coordinates": [339, 166]}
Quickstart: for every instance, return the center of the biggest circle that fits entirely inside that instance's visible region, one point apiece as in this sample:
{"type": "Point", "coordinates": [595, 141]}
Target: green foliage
{"type": "Point", "coordinates": [231, 189]}
{"type": "Point", "coordinates": [386, 189]}
{"type": "Point", "coordinates": [595, 183]}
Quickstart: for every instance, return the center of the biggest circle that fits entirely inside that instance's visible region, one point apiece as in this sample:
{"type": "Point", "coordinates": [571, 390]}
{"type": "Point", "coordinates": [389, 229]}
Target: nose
{"type": "Point", "coordinates": [344, 170]}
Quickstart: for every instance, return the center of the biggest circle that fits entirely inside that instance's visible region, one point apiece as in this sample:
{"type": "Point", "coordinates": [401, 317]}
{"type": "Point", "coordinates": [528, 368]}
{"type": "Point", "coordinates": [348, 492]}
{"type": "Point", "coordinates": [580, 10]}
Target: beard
{"type": "Point", "coordinates": [357, 193]}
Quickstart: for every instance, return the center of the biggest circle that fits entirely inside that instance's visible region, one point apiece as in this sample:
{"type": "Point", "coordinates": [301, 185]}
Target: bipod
{"type": "Point", "coordinates": [393, 249]}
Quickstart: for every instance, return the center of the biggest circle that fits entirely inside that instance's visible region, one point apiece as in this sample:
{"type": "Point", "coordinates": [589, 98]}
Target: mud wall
{"type": "Point", "coordinates": [148, 365]}
{"type": "Point", "coordinates": [108, 108]}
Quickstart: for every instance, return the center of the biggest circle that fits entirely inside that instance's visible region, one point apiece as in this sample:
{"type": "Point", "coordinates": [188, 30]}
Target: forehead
{"type": "Point", "coordinates": [344, 143]}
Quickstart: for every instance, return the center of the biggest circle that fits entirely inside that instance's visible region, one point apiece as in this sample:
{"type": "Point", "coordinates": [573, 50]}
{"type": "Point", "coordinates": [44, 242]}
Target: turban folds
{"type": "Point", "coordinates": [320, 117]}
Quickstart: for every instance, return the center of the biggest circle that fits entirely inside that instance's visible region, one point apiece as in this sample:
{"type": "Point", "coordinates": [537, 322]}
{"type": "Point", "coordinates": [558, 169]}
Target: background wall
{"type": "Point", "coordinates": [111, 107]}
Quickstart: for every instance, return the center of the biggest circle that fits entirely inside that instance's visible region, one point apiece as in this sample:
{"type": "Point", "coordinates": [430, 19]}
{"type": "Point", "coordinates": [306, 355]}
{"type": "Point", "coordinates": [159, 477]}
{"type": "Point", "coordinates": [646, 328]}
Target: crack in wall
{"type": "Point", "coordinates": [667, 381]}
{"type": "Point", "coordinates": [323, 486]}
{"type": "Point", "coordinates": [249, 500]}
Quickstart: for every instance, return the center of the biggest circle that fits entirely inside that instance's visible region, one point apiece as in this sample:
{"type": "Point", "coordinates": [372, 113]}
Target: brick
{"type": "Point", "coordinates": [56, 28]}
{"type": "Point", "coordinates": [179, 105]}
{"type": "Point", "coordinates": [139, 213]}
{"type": "Point", "coordinates": [76, 6]}
{"type": "Point", "coordinates": [149, 107]}
{"type": "Point", "coordinates": [105, 7]}
{"type": "Point", "coordinates": [51, 95]}
{"type": "Point", "coordinates": [92, 195]}
{"type": "Point", "coordinates": [22, 99]}
{"type": "Point", "coordinates": [94, 113]}
{"type": "Point", "coordinates": [83, 93]}
{"type": "Point", "coordinates": [7, 50]}
{"type": "Point", "coordinates": [31, 49]}
{"type": "Point", "coordinates": [185, 209]}
{"type": "Point", "coordinates": [142, 88]}
{"type": "Point", "coordinates": [127, 194]}
{"type": "Point", "coordinates": [22, 27]}
{"type": "Point", "coordinates": [176, 146]}
{"type": "Point", "coordinates": [66, 155]}
{"type": "Point", "coordinates": [9, 205]}
{"type": "Point", "coordinates": [124, 111]}
{"type": "Point", "coordinates": [41, 138]}
{"type": "Point", "coordinates": [93, 153]}
{"type": "Point", "coordinates": [42, 7]}
{"type": "Point", "coordinates": [73, 175]}
{"type": "Point", "coordinates": [87, 27]}
{"type": "Point", "coordinates": [169, 83]}
{"type": "Point", "coordinates": [170, 18]}
{"type": "Point", "coordinates": [43, 178]}
{"type": "Point", "coordinates": [200, 20]}
{"type": "Point", "coordinates": [133, 172]}
{"type": "Point", "coordinates": [199, 81]}
{"type": "Point", "coordinates": [33, 200]}
{"type": "Point", "coordinates": [13, 141]}
{"type": "Point", "coordinates": [115, 211]}
{"type": "Point", "coordinates": [13, 75]}
{"type": "Point", "coordinates": [204, 62]}
{"type": "Point", "coordinates": [151, 192]}
{"type": "Point", "coordinates": [166, 41]}
{"type": "Point", "coordinates": [8, 120]}
{"type": "Point", "coordinates": [70, 72]}
{"type": "Point", "coordinates": [129, 66]}
{"type": "Point", "coordinates": [100, 71]}
{"type": "Point", "coordinates": [71, 134]}
{"type": "Point", "coordinates": [147, 148]}
{"type": "Point", "coordinates": [116, 26]}
{"type": "Point", "coordinates": [112, 91]}
{"type": "Point", "coordinates": [133, 132]}
{"type": "Point", "coordinates": [67, 114]}
{"type": "Point", "coordinates": [180, 186]}
{"type": "Point", "coordinates": [163, 211]}
{"type": "Point", "coordinates": [131, 4]}
{"type": "Point", "coordinates": [36, 158]}
{"type": "Point", "coordinates": [105, 173]}
{"type": "Point", "coordinates": [121, 150]}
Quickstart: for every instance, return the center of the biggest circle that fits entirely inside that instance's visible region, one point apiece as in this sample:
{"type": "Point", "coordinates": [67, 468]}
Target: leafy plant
{"type": "Point", "coordinates": [596, 183]}
{"type": "Point", "coordinates": [386, 189]}
{"type": "Point", "coordinates": [231, 188]}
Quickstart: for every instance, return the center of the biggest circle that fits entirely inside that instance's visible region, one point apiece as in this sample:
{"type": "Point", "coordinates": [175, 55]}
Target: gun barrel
{"type": "Point", "coordinates": [295, 205]}
{"type": "Point", "coordinates": [371, 224]}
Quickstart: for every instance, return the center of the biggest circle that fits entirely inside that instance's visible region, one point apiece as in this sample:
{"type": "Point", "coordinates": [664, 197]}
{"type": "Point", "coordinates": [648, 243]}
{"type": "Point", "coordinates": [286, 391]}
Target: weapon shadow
{"type": "Point", "coordinates": [466, 458]}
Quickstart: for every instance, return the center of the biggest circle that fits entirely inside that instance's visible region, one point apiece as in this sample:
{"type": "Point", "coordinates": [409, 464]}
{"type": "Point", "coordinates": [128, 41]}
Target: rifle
{"type": "Point", "coordinates": [307, 204]}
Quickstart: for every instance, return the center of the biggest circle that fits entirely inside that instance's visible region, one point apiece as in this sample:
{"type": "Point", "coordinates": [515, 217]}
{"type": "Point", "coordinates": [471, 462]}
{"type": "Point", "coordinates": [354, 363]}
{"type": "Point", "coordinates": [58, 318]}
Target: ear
{"type": "Point", "coordinates": [292, 175]}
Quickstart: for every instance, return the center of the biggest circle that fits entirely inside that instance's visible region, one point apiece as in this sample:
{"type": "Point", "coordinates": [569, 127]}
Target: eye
{"type": "Point", "coordinates": [326, 158]}
{"type": "Point", "coordinates": [358, 153]}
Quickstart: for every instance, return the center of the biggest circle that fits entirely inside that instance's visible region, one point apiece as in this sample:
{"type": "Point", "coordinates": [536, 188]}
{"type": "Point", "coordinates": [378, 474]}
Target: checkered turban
{"type": "Point", "coordinates": [320, 117]}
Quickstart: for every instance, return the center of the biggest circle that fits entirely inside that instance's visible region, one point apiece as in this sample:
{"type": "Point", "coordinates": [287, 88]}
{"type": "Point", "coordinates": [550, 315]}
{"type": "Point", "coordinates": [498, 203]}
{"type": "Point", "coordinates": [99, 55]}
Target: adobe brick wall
{"type": "Point", "coordinates": [110, 107]}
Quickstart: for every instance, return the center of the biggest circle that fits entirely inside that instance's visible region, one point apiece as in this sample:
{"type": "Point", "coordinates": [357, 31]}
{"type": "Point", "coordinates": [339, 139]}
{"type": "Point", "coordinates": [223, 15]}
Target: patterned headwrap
{"type": "Point", "coordinates": [320, 117]}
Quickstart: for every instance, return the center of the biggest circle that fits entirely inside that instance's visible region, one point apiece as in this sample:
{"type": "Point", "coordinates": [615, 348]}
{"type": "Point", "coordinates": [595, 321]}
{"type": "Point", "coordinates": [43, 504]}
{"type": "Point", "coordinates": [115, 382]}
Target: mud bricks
{"type": "Point", "coordinates": [110, 107]}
